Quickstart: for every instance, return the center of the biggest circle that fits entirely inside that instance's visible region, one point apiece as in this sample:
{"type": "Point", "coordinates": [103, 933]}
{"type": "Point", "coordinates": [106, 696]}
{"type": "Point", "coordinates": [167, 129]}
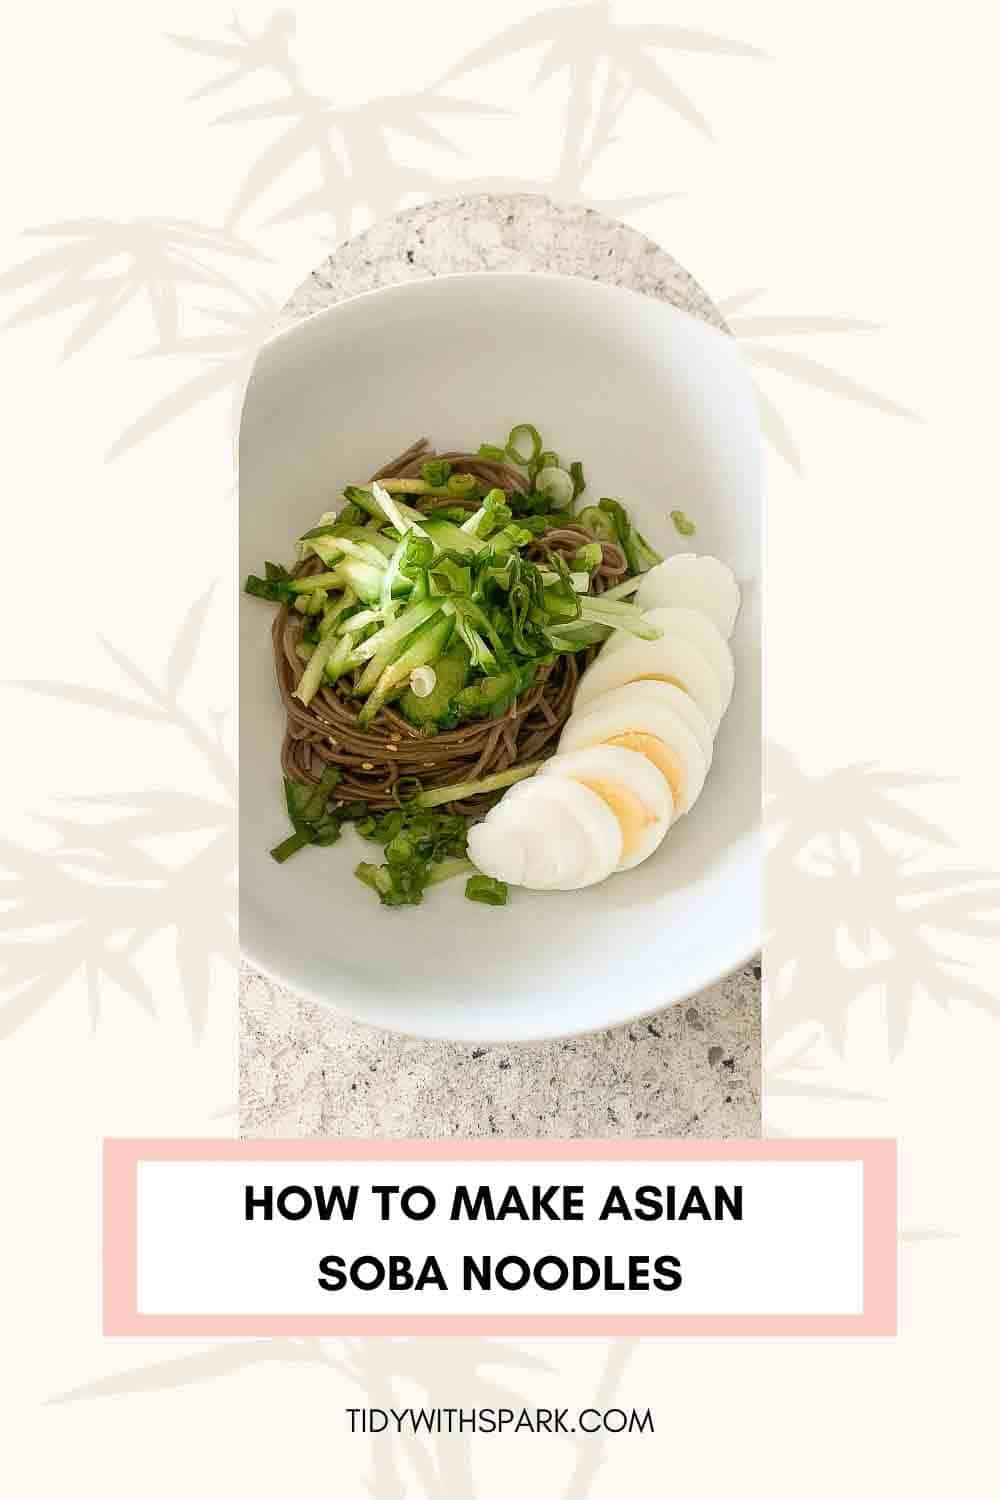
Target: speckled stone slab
{"type": "Point", "coordinates": [693, 1069]}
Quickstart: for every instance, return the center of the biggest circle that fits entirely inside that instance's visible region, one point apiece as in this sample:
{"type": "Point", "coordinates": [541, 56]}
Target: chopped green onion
{"type": "Point", "coordinates": [423, 681]}
{"type": "Point", "coordinates": [683, 525]}
{"type": "Point", "coordinates": [491, 515]}
{"type": "Point", "coordinates": [578, 635]}
{"type": "Point", "coordinates": [435, 472]}
{"type": "Point", "coordinates": [555, 484]}
{"type": "Point", "coordinates": [463, 789]}
{"type": "Point", "coordinates": [309, 818]}
{"type": "Point", "coordinates": [620, 616]}
{"type": "Point", "coordinates": [492, 454]}
{"type": "Point", "coordinates": [598, 524]}
{"type": "Point", "coordinates": [576, 474]}
{"type": "Point", "coordinates": [516, 453]}
{"type": "Point", "coordinates": [589, 557]}
{"type": "Point", "coordinates": [274, 590]}
{"type": "Point", "coordinates": [290, 846]}
{"type": "Point", "coordinates": [638, 552]}
{"type": "Point", "coordinates": [462, 484]}
{"type": "Point", "coordinates": [484, 888]}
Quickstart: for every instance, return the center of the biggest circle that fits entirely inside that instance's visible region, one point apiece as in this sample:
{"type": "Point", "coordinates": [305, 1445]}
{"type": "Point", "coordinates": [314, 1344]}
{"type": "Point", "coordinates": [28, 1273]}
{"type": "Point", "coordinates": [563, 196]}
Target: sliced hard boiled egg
{"type": "Point", "coordinates": [551, 836]}
{"type": "Point", "coordinates": [542, 807]}
{"type": "Point", "coordinates": [637, 793]}
{"type": "Point", "coordinates": [539, 855]}
{"type": "Point", "coordinates": [654, 729]}
{"type": "Point", "coordinates": [671, 659]}
{"type": "Point", "coordinates": [669, 695]}
{"type": "Point", "coordinates": [694, 626]}
{"type": "Point", "coordinates": [687, 581]}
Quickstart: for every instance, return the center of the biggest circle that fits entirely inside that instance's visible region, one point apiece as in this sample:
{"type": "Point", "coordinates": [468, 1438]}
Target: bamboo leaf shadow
{"type": "Point", "coordinates": [799, 367]}
{"type": "Point", "coordinates": [862, 913]}
{"type": "Point", "coordinates": [89, 903]}
{"type": "Point", "coordinates": [163, 259]}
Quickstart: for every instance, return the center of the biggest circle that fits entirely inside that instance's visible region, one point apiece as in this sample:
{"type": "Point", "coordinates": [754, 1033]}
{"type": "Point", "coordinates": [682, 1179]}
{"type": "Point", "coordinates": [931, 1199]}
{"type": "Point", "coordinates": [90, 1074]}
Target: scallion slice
{"type": "Point", "coordinates": [556, 485]}
{"type": "Point", "coordinates": [516, 452]}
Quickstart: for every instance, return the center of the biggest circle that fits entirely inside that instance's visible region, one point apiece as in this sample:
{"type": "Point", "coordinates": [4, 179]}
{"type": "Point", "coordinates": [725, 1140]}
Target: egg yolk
{"type": "Point", "coordinates": [633, 818]}
{"type": "Point", "coordinates": [659, 752]}
{"type": "Point", "coordinates": [660, 677]}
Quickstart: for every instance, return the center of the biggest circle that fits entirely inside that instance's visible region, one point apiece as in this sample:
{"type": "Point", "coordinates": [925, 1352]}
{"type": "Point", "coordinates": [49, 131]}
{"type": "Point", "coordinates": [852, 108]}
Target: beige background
{"type": "Point", "coordinates": [693, 1070]}
{"type": "Point", "coordinates": [835, 201]}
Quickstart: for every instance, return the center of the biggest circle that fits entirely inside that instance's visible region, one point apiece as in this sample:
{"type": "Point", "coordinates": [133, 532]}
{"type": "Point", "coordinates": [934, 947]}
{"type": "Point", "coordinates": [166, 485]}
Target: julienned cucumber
{"type": "Point", "coordinates": [452, 671]}
{"type": "Point", "coordinates": [383, 648]}
{"type": "Point", "coordinates": [423, 650]}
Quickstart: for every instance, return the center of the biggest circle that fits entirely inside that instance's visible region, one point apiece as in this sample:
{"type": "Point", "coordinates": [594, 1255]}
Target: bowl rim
{"type": "Point", "coordinates": [643, 1008]}
{"type": "Point", "coordinates": [395, 288]}
{"type": "Point", "coordinates": [488, 1039]}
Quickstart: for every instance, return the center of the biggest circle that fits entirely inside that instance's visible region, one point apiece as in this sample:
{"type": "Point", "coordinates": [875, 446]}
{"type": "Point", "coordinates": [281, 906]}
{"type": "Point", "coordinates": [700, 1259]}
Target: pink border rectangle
{"type": "Point", "coordinates": [121, 1315]}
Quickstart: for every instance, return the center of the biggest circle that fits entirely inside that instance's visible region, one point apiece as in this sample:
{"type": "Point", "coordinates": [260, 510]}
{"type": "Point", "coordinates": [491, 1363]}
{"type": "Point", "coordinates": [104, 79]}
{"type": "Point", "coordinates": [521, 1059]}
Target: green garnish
{"type": "Point", "coordinates": [484, 888]}
{"type": "Point", "coordinates": [589, 557]}
{"type": "Point", "coordinates": [491, 515]}
{"type": "Point", "coordinates": [462, 484]}
{"type": "Point", "coordinates": [555, 484]}
{"type": "Point", "coordinates": [518, 434]}
{"type": "Point", "coordinates": [435, 472]}
{"type": "Point", "coordinates": [576, 474]}
{"type": "Point", "coordinates": [310, 819]}
{"type": "Point", "coordinates": [639, 554]}
{"type": "Point", "coordinates": [598, 524]}
{"type": "Point", "coordinates": [421, 849]}
{"type": "Point", "coordinates": [683, 525]}
{"type": "Point", "coordinates": [492, 454]}
{"type": "Point", "coordinates": [275, 590]}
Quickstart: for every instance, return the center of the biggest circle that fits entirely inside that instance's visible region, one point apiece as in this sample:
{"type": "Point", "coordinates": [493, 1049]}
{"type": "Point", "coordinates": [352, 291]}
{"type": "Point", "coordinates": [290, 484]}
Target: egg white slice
{"type": "Point", "coordinates": [687, 581]}
{"type": "Point", "coordinates": [670, 696]}
{"type": "Point", "coordinates": [637, 793]}
{"type": "Point", "coordinates": [495, 853]}
{"type": "Point", "coordinates": [538, 853]}
{"type": "Point", "coordinates": [670, 659]}
{"type": "Point", "coordinates": [636, 721]}
{"type": "Point", "coordinates": [541, 809]}
{"type": "Point", "coordinates": [694, 626]}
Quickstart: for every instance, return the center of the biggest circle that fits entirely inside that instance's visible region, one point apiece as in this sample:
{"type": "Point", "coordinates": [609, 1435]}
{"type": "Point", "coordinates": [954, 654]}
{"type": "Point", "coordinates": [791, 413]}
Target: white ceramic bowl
{"type": "Point", "coordinates": [659, 408]}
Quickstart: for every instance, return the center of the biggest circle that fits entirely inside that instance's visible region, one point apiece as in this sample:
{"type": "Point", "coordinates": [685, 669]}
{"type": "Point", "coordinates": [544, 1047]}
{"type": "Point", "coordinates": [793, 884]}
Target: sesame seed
{"type": "Point", "coordinates": [366, 765]}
